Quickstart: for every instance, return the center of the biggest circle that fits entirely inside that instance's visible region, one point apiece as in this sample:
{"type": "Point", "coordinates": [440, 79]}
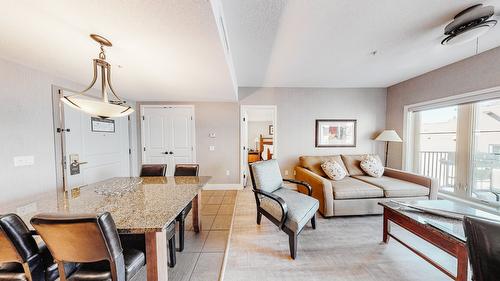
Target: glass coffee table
{"type": "Point", "coordinates": [444, 232]}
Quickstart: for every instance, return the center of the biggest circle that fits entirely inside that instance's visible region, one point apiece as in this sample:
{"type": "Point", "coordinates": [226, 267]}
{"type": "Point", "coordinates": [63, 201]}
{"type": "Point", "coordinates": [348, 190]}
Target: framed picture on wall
{"type": "Point", "coordinates": [335, 133]}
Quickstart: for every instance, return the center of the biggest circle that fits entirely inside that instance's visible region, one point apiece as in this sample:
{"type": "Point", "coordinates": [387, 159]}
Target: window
{"type": "Point", "coordinates": [486, 151]}
{"type": "Point", "coordinates": [459, 145]}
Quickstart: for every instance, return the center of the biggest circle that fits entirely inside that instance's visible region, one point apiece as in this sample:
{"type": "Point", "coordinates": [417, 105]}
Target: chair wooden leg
{"type": "Point", "coordinates": [292, 240]}
{"type": "Point", "coordinates": [171, 252]}
{"type": "Point", "coordinates": [259, 217]}
{"type": "Point", "coordinates": [313, 221]}
{"type": "Point", "coordinates": [181, 234]}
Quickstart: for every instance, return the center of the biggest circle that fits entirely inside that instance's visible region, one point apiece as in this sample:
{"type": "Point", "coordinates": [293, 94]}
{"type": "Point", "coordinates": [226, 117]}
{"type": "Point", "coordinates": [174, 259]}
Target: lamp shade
{"type": "Point", "coordinates": [97, 107]}
{"type": "Point", "coordinates": [388, 135]}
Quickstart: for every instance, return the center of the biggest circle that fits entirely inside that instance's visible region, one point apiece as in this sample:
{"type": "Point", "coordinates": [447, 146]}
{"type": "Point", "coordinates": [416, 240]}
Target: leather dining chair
{"type": "Point", "coordinates": [153, 170]}
{"type": "Point", "coordinates": [91, 240]}
{"type": "Point", "coordinates": [483, 245]}
{"type": "Point", "coordinates": [183, 170]}
{"type": "Point", "coordinates": [159, 170]}
{"type": "Point", "coordinates": [21, 258]}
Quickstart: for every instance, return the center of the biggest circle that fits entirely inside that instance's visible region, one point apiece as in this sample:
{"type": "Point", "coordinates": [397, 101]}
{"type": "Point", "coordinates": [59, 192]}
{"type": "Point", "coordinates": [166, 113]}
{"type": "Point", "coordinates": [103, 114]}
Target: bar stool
{"type": "Point", "coordinates": [159, 170]}
{"type": "Point", "coordinates": [153, 170]}
{"type": "Point", "coordinates": [21, 258]}
{"type": "Point", "coordinates": [184, 170]}
{"type": "Point", "coordinates": [91, 240]}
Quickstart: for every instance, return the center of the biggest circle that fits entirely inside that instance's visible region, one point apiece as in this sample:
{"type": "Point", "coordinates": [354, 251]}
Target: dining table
{"type": "Point", "coordinates": [143, 206]}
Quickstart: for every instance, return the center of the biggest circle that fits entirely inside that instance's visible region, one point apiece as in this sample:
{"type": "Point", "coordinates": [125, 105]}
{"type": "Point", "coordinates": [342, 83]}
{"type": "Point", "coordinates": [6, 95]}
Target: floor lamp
{"type": "Point", "coordinates": [388, 136]}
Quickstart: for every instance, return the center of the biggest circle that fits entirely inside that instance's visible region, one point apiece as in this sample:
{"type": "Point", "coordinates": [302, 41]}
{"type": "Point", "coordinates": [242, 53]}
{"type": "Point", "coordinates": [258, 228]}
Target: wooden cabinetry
{"type": "Point", "coordinates": [253, 156]}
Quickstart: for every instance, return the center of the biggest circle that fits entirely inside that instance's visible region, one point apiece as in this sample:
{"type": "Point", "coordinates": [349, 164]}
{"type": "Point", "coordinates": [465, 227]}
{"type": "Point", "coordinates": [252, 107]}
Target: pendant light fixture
{"type": "Point", "coordinates": [102, 107]}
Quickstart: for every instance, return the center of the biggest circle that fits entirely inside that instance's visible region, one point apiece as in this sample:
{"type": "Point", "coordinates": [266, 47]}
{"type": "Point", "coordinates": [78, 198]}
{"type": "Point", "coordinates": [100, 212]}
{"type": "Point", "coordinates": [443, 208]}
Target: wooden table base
{"type": "Point", "coordinates": [449, 244]}
{"type": "Point", "coordinates": [197, 212]}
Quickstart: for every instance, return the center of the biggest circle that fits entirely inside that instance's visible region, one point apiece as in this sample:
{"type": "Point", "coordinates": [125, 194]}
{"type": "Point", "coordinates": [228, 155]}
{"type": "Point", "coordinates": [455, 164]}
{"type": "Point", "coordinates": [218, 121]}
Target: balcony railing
{"type": "Point", "coordinates": [439, 165]}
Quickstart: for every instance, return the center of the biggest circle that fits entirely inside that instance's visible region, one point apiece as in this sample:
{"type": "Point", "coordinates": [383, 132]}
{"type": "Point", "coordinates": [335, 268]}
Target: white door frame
{"type": "Point", "coordinates": [244, 108]}
{"type": "Point", "coordinates": [193, 127]}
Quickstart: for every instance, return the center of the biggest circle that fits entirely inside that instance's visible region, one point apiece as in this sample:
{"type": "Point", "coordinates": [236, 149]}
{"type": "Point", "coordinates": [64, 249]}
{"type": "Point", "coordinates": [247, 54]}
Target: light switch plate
{"type": "Point", "coordinates": [211, 148]}
{"type": "Point", "coordinates": [24, 160]}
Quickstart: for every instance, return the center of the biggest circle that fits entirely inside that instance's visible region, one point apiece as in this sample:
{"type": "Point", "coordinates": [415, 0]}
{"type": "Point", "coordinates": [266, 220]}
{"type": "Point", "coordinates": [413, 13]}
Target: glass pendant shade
{"type": "Point", "coordinates": [101, 107]}
{"type": "Point", "coordinates": [97, 107]}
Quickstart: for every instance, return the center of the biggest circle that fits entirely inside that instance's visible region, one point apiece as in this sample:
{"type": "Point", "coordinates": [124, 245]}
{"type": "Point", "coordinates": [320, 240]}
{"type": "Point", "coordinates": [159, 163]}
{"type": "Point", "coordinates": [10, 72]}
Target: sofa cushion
{"type": "Point", "coordinates": [396, 188]}
{"type": "Point", "coordinates": [351, 188]}
{"type": "Point", "coordinates": [313, 163]}
{"type": "Point", "coordinates": [372, 166]}
{"type": "Point", "coordinates": [267, 175]}
{"type": "Point", "coordinates": [333, 170]}
{"type": "Point", "coordinates": [352, 163]}
{"type": "Point", "coordinates": [301, 208]}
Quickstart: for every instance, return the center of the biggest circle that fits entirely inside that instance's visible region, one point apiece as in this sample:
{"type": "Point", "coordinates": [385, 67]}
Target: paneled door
{"type": "Point", "coordinates": [88, 154]}
{"type": "Point", "coordinates": [168, 135]}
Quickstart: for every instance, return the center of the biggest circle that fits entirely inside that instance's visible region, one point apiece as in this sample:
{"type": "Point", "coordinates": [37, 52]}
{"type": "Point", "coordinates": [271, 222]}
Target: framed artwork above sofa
{"type": "Point", "coordinates": [336, 132]}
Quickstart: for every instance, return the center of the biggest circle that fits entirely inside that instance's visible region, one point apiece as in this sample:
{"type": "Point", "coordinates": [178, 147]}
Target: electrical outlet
{"type": "Point", "coordinates": [24, 160]}
{"type": "Point", "coordinates": [211, 148]}
{"type": "Point", "coordinates": [286, 172]}
{"type": "Point", "coordinates": [227, 173]}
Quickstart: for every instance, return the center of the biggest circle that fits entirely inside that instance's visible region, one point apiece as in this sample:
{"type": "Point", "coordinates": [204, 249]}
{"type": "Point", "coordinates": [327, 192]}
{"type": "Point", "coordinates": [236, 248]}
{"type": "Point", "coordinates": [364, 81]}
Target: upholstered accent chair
{"type": "Point", "coordinates": [483, 244]}
{"type": "Point", "coordinates": [91, 240]}
{"type": "Point", "coordinates": [288, 209]}
{"type": "Point", "coordinates": [184, 170]}
{"type": "Point", "coordinates": [21, 258]}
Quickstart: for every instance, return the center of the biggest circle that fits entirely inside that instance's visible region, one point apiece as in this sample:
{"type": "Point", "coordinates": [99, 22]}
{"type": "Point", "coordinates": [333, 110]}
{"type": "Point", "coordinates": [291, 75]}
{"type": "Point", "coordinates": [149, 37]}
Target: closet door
{"type": "Point", "coordinates": [168, 136]}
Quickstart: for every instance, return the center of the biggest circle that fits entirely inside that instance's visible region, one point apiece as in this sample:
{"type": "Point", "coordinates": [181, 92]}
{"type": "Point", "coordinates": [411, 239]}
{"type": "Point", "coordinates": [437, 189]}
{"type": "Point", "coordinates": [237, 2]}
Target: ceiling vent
{"type": "Point", "coordinates": [469, 24]}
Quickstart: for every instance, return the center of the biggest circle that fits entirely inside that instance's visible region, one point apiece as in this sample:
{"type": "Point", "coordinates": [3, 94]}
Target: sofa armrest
{"type": "Point", "coordinates": [321, 189]}
{"type": "Point", "coordinates": [414, 178]}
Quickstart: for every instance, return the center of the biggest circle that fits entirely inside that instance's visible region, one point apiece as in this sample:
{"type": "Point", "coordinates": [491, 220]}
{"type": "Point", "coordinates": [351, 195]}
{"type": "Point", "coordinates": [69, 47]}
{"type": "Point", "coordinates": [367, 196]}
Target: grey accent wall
{"type": "Point", "coordinates": [298, 108]}
{"type": "Point", "coordinates": [27, 129]}
{"type": "Point", "coordinates": [221, 118]}
{"type": "Point", "coordinates": [475, 73]}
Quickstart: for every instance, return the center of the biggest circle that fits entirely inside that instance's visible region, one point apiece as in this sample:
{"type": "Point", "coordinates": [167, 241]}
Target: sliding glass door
{"type": "Point", "coordinates": [486, 151]}
{"type": "Point", "coordinates": [459, 145]}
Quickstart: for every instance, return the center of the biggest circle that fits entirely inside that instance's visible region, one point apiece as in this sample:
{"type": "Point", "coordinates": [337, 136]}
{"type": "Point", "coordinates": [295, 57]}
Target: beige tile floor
{"type": "Point", "coordinates": [340, 249]}
{"type": "Point", "coordinates": [204, 252]}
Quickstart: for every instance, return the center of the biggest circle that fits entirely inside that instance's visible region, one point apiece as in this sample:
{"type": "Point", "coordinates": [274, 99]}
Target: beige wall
{"type": "Point", "coordinates": [27, 129]}
{"type": "Point", "coordinates": [298, 108]}
{"type": "Point", "coordinates": [475, 73]}
{"type": "Point", "coordinates": [221, 118]}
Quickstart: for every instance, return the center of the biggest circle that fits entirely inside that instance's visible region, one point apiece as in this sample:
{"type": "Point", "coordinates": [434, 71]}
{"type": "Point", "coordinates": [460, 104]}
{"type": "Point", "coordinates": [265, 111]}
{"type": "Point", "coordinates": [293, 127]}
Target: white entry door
{"type": "Point", "coordinates": [92, 154]}
{"type": "Point", "coordinates": [168, 135]}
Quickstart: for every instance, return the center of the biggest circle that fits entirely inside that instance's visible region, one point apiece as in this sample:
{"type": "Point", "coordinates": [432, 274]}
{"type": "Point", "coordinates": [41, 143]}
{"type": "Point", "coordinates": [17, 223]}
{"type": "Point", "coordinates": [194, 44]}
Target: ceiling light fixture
{"type": "Point", "coordinates": [102, 107]}
{"type": "Point", "coordinates": [469, 24]}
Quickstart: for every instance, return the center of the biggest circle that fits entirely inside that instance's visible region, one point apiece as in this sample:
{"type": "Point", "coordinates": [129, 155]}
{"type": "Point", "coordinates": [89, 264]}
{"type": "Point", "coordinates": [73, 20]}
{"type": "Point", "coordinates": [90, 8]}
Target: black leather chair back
{"type": "Point", "coordinates": [153, 170]}
{"type": "Point", "coordinates": [186, 170]}
{"type": "Point", "coordinates": [483, 244]}
{"type": "Point", "coordinates": [16, 241]}
{"type": "Point", "coordinates": [83, 239]}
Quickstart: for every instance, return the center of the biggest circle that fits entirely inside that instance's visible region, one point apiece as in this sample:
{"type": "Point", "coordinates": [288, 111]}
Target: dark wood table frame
{"type": "Point", "coordinates": [447, 243]}
{"type": "Point", "coordinates": [156, 246]}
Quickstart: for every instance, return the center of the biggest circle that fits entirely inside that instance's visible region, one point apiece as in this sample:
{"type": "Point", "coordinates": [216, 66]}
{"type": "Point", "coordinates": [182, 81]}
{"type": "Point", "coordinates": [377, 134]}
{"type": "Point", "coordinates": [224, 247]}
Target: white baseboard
{"type": "Point", "coordinates": [223, 186]}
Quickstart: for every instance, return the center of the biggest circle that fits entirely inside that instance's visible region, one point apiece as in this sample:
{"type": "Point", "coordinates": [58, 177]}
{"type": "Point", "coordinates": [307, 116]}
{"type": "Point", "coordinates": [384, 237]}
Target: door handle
{"type": "Point", "coordinates": [171, 152]}
{"type": "Point", "coordinates": [166, 152]}
{"type": "Point", "coordinates": [83, 163]}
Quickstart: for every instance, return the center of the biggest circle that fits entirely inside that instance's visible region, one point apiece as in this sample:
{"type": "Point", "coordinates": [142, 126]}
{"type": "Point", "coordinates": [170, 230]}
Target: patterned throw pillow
{"type": "Point", "coordinates": [372, 166]}
{"type": "Point", "coordinates": [333, 170]}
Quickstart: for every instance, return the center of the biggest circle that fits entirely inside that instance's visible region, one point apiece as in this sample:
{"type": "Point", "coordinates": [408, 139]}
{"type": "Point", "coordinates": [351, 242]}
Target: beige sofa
{"type": "Point", "coordinates": [358, 193]}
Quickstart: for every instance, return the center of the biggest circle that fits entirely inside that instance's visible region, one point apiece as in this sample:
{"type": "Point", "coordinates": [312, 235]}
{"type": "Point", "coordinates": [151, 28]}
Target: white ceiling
{"type": "Point", "coordinates": [325, 43]}
{"type": "Point", "coordinates": [169, 49]}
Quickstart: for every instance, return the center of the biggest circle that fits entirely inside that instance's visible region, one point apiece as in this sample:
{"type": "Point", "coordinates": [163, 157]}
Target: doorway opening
{"type": "Point", "coordinates": [258, 138]}
{"type": "Point", "coordinates": [87, 149]}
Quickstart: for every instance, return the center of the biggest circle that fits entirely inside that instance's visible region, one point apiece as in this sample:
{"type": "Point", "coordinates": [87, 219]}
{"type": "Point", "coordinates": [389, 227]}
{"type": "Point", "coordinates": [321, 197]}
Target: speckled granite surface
{"type": "Point", "coordinates": [137, 206]}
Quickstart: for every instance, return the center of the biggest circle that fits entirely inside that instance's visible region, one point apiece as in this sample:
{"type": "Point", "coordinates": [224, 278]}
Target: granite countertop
{"type": "Point", "coordinates": [137, 205]}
